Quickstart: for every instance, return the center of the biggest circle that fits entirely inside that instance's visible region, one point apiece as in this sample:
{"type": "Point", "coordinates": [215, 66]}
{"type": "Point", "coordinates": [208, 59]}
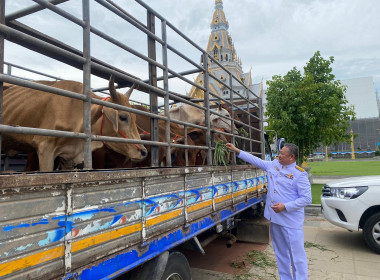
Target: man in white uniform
{"type": "Point", "coordinates": [289, 191]}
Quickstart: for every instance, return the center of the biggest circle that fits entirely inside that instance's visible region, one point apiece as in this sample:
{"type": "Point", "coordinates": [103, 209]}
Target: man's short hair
{"type": "Point", "coordinates": [293, 149]}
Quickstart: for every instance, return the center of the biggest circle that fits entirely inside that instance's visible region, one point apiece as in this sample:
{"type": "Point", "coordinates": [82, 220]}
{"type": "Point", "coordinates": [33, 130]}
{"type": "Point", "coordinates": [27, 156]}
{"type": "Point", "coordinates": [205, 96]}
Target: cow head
{"type": "Point", "coordinates": [236, 117]}
{"type": "Point", "coordinates": [122, 124]}
{"type": "Point", "coordinates": [221, 122]}
{"type": "Point", "coordinates": [178, 154]}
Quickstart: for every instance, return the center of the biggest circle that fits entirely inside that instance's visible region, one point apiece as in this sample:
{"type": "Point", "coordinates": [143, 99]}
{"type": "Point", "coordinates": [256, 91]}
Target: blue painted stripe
{"type": "Point", "coordinates": [126, 261]}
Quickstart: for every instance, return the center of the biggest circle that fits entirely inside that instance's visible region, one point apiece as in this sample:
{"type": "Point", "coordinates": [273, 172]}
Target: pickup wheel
{"type": "Point", "coordinates": [177, 268]}
{"type": "Point", "coordinates": [371, 232]}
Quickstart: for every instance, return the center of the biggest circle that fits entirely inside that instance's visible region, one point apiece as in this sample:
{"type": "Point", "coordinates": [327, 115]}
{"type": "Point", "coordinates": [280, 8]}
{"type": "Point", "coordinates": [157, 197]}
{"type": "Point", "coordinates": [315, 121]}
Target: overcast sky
{"type": "Point", "coordinates": [274, 36]}
{"type": "Point", "coordinates": [270, 36]}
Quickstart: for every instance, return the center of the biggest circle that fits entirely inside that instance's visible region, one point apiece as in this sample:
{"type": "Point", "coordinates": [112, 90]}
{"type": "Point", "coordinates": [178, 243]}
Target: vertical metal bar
{"type": "Point", "coordinates": [9, 69]}
{"type": "Point", "coordinates": [143, 218]}
{"type": "Point", "coordinates": [151, 24]}
{"type": "Point", "coordinates": [6, 163]}
{"type": "Point", "coordinates": [261, 127]}
{"type": "Point", "coordinates": [185, 202]}
{"type": "Point", "coordinates": [232, 195]}
{"type": "Point", "coordinates": [207, 106]}
{"type": "Point", "coordinates": [68, 217]}
{"type": "Point", "coordinates": [213, 193]}
{"type": "Point", "coordinates": [166, 88]}
{"type": "Point", "coordinates": [87, 84]}
{"type": "Point", "coordinates": [186, 150]}
{"type": "Point", "coordinates": [250, 124]}
{"type": "Point", "coordinates": [246, 177]}
{"type": "Point", "coordinates": [2, 21]}
{"type": "Point", "coordinates": [232, 116]}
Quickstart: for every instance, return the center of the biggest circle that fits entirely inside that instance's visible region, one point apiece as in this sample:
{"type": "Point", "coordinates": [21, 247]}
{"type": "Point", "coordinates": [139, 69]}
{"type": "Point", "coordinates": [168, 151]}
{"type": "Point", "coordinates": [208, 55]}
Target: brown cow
{"type": "Point", "coordinates": [176, 136]}
{"type": "Point", "coordinates": [104, 158]}
{"type": "Point", "coordinates": [195, 136]}
{"type": "Point", "coordinates": [33, 108]}
{"type": "Point", "coordinates": [194, 115]}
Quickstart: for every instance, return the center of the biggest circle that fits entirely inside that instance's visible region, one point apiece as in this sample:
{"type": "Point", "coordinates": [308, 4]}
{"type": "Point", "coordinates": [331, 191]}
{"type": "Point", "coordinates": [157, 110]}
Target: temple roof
{"type": "Point", "coordinates": [221, 47]}
{"type": "Point", "coordinates": [219, 18]}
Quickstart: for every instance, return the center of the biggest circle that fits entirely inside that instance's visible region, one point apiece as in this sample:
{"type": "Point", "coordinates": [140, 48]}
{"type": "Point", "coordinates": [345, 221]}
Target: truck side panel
{"type": "Point", "coordinates": [119, 221]}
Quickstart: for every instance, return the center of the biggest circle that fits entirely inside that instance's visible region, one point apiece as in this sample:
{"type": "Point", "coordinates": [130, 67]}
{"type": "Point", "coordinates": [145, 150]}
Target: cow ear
{"type": "Point", "coordinates": [112, 90]}
{"type": "Point", "coordinates": [113, 116]}
{"type": "Point", "coordinates": [129, 92]}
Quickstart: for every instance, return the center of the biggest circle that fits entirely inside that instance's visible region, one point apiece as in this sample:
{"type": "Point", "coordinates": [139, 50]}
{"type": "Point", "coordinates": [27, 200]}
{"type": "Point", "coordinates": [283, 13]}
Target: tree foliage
{"type": "Point", "coordinates": [309, 109]}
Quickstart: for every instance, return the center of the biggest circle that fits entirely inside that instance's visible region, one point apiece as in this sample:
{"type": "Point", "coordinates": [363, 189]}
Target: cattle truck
{"type": "Point", "coordinates": [87, 223]}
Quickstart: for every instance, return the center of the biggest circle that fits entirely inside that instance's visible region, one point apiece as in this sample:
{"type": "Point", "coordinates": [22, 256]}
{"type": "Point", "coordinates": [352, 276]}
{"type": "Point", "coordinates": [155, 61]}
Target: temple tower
{"type": "Point", "coordinates": [221, 47]}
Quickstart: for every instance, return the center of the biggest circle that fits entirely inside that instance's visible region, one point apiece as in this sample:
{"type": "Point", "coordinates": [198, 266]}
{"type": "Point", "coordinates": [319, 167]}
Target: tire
{"type": "Point", "coordinates": [371, 232]}
{"type": "Point", "coordinates": [177, 268]}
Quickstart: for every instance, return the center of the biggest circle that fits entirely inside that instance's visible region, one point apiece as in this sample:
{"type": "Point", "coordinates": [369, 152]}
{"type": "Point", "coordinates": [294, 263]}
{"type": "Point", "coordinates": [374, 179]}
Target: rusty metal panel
{"type": "Point", "coordinates": [52, 270]}
{"type": "Point", "coordinates": [92, 254]}
{"type": "Point", "coordinates": [199, 179]}
{"type": "Point", "coordinates": [29, 219]}
{"type": "Point", "coordinates": [32, 224]}
{"type": "Point", "coordinates": [165, 226]}
{"type": "Point", "coordinates": [98, 214]}
{"type": "Point", "coordinates": [163, 185]}
{"type": "Point", "coordinates": [106, 192]}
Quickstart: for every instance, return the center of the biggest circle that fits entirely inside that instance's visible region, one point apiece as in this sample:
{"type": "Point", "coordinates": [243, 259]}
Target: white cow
{"type": "Point", "coordinates": [194, 115]}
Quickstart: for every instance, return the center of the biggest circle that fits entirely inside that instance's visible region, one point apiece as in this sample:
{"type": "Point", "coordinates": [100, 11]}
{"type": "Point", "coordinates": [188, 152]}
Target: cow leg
{"type": "Point", "coordinates": [46, 156]}
{"type": "Point", "coordinates": [31, 162]}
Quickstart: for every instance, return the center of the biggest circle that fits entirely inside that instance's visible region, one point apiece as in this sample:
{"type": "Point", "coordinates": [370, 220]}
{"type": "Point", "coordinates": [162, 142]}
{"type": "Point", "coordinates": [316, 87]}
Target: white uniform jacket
{"type": "Point", "coordinates": [286, 184]}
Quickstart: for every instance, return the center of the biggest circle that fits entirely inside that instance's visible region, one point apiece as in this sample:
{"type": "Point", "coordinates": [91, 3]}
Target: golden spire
{"type": "Point", "coordinates": [219, 16]}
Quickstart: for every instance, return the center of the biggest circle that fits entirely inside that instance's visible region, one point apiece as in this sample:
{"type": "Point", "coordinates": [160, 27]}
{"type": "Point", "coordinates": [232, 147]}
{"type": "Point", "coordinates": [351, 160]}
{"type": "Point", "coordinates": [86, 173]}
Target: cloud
{"type": "Point", "coordinates": [270, 36]}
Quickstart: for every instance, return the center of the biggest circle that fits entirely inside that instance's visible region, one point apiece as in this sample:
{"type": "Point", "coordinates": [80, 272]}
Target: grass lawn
{"type": "Point", "coordinates": [342, 168]}
{"type": "Point", "coordinates": [316, 191]}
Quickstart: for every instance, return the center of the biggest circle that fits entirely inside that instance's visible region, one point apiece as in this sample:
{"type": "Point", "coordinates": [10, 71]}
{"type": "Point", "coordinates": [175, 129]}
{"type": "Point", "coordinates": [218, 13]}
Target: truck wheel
{"type": "Point", "coordinates": [177, 268]}
{"type": "Point", "coordinates": [371, 232]}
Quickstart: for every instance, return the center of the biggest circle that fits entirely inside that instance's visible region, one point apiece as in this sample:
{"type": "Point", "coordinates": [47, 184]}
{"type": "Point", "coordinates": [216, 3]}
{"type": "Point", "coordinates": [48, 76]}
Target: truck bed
{"type": "Point", "coordinates": [99, 224]}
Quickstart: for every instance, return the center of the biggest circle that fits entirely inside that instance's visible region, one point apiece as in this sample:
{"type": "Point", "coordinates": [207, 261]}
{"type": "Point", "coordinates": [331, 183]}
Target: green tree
{"type": "Point", "coordinates": [309, 109]}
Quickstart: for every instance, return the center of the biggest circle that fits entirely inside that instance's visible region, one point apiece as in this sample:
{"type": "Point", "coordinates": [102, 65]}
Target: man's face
{"type": "Point", "coordinates": [284, 157]}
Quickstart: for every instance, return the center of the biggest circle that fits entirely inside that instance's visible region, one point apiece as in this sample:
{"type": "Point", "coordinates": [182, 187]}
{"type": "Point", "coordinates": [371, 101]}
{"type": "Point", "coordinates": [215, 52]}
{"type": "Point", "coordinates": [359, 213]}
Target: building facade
{"type": "Point", "coordinates": [361, 94]}
{"type": "Point", "coordinates": [221, 47]}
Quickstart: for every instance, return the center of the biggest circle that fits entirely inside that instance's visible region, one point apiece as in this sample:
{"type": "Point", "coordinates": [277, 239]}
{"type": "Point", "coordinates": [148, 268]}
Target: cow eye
{"type": "Point", "coordinates": [123, 118]}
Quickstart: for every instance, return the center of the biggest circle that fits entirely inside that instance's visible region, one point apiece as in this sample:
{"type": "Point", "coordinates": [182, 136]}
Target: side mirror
{"type": "Point", "coordinates": [280, 144]}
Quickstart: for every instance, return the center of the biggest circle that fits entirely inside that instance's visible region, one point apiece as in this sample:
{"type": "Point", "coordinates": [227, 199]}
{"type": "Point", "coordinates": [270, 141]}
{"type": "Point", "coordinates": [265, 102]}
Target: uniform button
{"type": "Point", "coordinates": [271, 176]}
{"type": "Point", "coordinates": [272, 201]}
{"type": "Point", "coordinates": [280, 175]}
{"type": "Point", "coordinates": [276, 183]}
{"type": "Point", "coordinates": [274, 191]}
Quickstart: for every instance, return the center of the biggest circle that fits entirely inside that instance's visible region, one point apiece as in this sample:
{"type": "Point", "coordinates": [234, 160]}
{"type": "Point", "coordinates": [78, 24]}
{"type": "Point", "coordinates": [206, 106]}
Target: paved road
{"type": "Point", "coordinates": [333, 253]}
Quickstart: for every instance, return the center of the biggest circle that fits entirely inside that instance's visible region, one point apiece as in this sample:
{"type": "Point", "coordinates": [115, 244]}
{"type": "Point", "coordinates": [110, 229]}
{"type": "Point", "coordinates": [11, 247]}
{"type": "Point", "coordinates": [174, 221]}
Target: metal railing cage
{"type": "Point", "coordinates": [12, 30]}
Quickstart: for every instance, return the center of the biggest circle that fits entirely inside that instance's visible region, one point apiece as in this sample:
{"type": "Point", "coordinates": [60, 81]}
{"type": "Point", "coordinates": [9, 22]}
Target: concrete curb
{"type": "Point", "coordinates": [313, 210]}
{"type": "Point", "coordinates": [325, 179]}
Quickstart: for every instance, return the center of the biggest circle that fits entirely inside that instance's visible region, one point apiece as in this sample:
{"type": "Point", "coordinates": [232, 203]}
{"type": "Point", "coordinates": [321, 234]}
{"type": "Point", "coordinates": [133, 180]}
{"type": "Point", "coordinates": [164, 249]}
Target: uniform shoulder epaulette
{"type": "Point", "coordinates": [300, 168]}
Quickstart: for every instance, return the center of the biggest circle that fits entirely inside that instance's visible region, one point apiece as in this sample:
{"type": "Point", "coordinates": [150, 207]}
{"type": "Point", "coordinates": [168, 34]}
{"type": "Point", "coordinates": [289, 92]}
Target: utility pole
{"type": "Point", "coordinates": [352, 145]}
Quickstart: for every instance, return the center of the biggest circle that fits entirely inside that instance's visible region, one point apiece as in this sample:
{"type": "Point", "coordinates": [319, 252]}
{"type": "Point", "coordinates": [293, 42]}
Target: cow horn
{"type": "Point", "coordinates": [111, 88]}
{"type": "Point", "coordinates": [129, 92]}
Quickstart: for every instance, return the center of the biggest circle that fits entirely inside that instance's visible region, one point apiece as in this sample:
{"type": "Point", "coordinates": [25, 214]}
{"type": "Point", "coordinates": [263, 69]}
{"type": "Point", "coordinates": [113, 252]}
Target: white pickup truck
{"type": "Point", "coordinates": [354, 203]}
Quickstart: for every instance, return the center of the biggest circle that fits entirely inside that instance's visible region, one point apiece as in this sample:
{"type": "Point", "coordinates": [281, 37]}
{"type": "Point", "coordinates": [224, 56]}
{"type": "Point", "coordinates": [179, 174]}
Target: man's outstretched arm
{"type": "Point", "coordinates": [258, 162]}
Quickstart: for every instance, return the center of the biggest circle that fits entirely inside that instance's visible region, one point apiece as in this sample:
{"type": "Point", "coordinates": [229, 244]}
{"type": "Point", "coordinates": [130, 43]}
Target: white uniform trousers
{"type": "Point", "coordinates": [288, 244]}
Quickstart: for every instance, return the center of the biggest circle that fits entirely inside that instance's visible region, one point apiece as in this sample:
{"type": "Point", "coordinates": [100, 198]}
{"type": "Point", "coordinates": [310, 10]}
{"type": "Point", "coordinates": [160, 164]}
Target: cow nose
{"type": "Point", "coordinates": [144, 153]}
